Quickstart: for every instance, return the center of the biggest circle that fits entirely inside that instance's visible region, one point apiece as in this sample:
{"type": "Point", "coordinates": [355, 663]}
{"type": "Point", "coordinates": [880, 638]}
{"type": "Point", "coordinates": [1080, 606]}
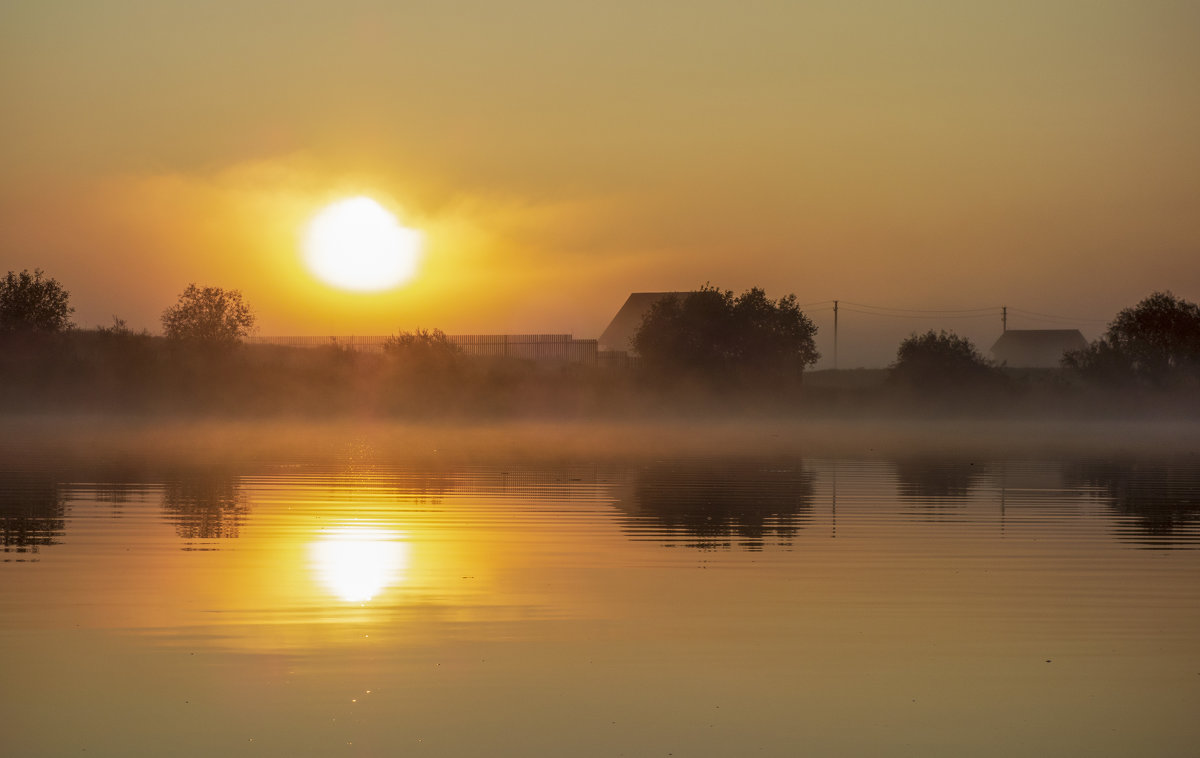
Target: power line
{"type": "Point", "coordinates": [988, 312]}
{"type": "Point", "coordinates": [1056, 321]}
{"type": "Point", "coordinates": [992, 309]}
{"type": "Point", "coordinates": [888, 311]}
{"type": "Point", "coordinates": [936, 315]}
{"type": "Point", "coordinates": [1031, 314]}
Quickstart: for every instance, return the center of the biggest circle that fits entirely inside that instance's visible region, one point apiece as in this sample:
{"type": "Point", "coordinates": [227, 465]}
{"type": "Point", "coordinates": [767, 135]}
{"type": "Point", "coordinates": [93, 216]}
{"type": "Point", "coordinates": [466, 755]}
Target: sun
{"type": "Point", "coordinates": [356, 244]}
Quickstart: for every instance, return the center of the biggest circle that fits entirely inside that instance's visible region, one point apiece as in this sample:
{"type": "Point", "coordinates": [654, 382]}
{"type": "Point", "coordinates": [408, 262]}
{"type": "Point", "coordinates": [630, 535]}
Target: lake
{"type": "Point", "coordinates": [479, 595]}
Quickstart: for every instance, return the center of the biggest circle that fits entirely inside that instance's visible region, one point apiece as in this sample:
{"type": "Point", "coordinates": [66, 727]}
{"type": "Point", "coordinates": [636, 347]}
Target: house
{"type": "Point", "coordinates": [1036, 348]}
{"type": "Point", "coordinates": [618, 337]}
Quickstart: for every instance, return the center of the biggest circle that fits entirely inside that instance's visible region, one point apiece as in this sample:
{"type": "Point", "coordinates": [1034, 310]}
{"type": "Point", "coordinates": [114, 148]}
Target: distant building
{"type": "Point", "coordinates": [618, 337]}
{"type": "Point", "coordinates": [1036, 348]}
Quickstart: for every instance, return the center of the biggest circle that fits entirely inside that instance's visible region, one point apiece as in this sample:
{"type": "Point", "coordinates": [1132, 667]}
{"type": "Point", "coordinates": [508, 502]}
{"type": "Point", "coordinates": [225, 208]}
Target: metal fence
{"type": "Point", "coordinates": [617, 359]}
{"type": "Point", "coordinates": [542, 348]}
{"type": "Point", "coordinates": [361, 344]}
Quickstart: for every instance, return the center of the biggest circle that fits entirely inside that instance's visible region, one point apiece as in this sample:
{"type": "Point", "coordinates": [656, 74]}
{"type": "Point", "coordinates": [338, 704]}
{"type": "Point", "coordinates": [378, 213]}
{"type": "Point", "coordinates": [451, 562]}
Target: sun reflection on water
{"type": "Point", "coordinates": [356, 563]}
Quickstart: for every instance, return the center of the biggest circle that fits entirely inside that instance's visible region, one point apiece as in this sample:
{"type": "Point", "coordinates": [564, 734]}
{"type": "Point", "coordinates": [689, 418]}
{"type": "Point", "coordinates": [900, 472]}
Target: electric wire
{"type": "Point", "coordinates": [989, 309]}
{"type": "Point", "coordinates": [1051, 316]}
{"type": "Point", "coordinates": [941, 315]}
{"type": "Point", "coordinates": [995, 311]}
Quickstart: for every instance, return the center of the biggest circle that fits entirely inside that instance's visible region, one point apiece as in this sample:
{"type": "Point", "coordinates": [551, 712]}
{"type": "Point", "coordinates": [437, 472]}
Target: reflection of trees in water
{"type": "Point", "coordinates": [117, 483]}
{"type": "Point", "coordinates": [1158, 502]}
{"type": "Point", "coordinates": [715, 504]}
{"type": "Point", "coordinates": [936, 489]}
{"type": "Point", "coordinates": [416, 487]}
{"type": "Point", "coordinates": [936, 479]}
{"type": "Point", "coordinates": [205, 505]}
{"type": "Point", "coordinates": [32, 513]}
{"type": "Point", "coordinates": [116, 494]}
{"type": "Point", "coordinates": [429, 488]}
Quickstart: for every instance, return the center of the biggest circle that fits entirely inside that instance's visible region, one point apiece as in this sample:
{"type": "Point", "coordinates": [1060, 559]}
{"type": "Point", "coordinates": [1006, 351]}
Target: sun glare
{"type": "Point", "coordinates": [355, 563]}
{"type": "Point", "coordinates": [356, 244]}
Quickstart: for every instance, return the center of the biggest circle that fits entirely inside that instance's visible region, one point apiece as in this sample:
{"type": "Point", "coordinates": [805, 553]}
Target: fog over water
{"type": "Point", "coordinates": [595, 589]}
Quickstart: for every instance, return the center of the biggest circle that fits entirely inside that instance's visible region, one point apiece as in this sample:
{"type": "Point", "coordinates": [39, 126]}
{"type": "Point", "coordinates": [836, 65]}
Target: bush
{"type": "Point", "coordinates": [939, 361]}
{"type": "Point", "coordinates": [422, 350]}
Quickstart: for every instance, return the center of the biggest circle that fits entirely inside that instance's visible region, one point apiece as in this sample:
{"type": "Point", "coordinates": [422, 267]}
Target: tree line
{"type": "Point", "coordinates": [722, 338]}
{"type": "Point", "coordinates": [706, 338]}
{"type": "Point", "coordinates": [33, 303]}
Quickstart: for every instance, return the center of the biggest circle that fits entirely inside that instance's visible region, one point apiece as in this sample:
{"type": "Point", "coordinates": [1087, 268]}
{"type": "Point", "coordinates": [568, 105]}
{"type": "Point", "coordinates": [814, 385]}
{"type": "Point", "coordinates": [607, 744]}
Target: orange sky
{"type": "Point", "coordinates": [939, 155]}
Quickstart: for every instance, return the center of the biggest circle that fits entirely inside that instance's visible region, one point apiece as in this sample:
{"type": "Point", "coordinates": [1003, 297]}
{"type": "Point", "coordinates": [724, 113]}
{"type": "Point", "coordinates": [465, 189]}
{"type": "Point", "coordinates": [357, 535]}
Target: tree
{"type": "Point", "coordinates": [711, 334]}
{"type": "Point", "coordinates": [208, 315]}
{"type": "Point", "coordinates": [942, 361]}
{"type": "Point", "coordinates": [1156, 342]}
{"type": "Point", "coordinates": [33, 303]}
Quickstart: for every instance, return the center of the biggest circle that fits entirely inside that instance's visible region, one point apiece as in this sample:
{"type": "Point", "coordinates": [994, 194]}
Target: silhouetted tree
{"type": "Point", "coordinates": [938, 361]}
{"type": "Point", "coordinates": [1156, 342]}
{"type": "Point", "coordinates": [713, 335]}
{"type": "Point", "coordinates": [208, 315]}
{"type": "Point", "coordinates": [33, 303]}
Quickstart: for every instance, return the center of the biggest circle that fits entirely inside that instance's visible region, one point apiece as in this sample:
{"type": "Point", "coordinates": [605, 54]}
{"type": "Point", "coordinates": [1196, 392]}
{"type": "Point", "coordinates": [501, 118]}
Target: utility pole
{"type": "Point", "coordinates": [835, 303]}
{"type": "Point", "coordinates": [1003, 319]}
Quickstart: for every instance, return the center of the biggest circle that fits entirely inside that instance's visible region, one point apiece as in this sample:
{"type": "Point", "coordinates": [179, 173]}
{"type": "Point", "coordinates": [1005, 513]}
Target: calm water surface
{"type": "Point", "coordinates": [687, 607]}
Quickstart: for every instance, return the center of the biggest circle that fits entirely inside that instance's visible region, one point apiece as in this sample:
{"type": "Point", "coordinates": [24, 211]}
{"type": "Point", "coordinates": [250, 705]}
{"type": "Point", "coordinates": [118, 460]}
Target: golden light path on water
{"type": "Point", "coordinates": [356, 563]}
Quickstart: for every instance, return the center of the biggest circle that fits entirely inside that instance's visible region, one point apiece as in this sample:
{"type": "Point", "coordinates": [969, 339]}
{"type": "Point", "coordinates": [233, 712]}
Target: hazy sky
{"type": "Point", "coordinates": [557, 155]}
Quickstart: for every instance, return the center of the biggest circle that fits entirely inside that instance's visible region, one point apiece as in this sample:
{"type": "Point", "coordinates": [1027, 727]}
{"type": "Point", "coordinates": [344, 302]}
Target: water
{"type": "Point", "coordinates": [361, 602]}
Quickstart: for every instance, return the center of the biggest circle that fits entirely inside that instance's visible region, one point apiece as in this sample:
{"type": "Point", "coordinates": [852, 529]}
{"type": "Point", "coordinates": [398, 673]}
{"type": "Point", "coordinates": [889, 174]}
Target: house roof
{"type": "Point", "coordinates": [1036, 347]}
{"type": "Point", "coordinates": [620, 331]}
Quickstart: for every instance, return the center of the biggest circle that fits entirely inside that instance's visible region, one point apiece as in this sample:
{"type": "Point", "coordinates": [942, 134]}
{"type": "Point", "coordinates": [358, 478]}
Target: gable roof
{"type": "Point", "coordinates": [1036, 348]}
{"type": "Point", "coordinates": [620, 331]}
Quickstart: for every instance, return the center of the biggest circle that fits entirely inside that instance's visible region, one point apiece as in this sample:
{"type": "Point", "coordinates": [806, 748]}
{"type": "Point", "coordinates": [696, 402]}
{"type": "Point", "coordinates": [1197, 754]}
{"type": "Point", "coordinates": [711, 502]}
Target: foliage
{"type": "Point", "coordinates": [33, 303]}
{"type": "Point", "coordinates": [422, 353]}
{"type": "Point", "coordinates": [712, 335]}
{"type": "Point", "coordinates": [208, 315]}
{"type": "Point", "coordinates": [1156, 342]}
{"type": "Point", "coordinates": [941, 361]}
{"type": "Point", "coordinates": [422, 345]}
{"type": "Point", "coordinates": [119, 328]}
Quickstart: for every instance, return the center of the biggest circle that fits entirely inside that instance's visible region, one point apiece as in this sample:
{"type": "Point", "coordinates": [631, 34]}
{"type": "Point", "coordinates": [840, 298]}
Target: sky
{"type": "Point", "coordinates": [556, 156]}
